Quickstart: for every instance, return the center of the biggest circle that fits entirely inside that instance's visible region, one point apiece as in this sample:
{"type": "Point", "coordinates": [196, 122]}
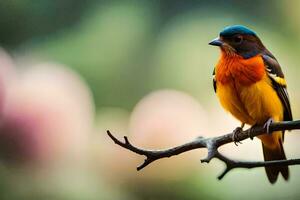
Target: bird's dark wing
{"type": "Point", "coordinates": [275, 73]}
{"type": "Point", "coordinates": [214, 80]}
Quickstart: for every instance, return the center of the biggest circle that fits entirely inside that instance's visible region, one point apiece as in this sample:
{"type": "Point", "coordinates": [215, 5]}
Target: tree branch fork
{"type": "Point", "coordinates": [212, 144]}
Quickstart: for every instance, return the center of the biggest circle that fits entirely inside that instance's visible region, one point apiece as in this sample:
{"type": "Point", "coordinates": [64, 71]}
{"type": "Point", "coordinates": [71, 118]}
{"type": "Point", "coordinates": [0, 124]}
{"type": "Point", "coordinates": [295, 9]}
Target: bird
{"type": "Point", "coordinates": [249, 83]}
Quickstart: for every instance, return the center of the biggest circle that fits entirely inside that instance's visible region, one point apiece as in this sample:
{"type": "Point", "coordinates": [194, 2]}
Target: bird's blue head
{"type": "Point", "coordinates": [240, 40]}
{"type": "Point", "coordinates": [236, 29]}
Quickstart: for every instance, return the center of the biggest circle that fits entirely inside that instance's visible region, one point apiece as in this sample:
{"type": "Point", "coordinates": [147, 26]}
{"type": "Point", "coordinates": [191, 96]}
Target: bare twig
{"type": "Point", "coordinates": [212, 144]}
{"type": "Point", "coordinates": [232, 164]}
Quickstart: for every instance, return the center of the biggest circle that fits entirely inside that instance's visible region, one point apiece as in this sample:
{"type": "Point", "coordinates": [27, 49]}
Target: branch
{"type": "Point", "coordinates": [232, 164]}
{"type": "Point", "coordinates": [212, 144]}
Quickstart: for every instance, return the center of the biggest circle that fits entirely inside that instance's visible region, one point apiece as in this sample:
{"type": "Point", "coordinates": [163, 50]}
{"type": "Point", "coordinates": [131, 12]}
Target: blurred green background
{"type": "Point", "coordinates": [73, 69]}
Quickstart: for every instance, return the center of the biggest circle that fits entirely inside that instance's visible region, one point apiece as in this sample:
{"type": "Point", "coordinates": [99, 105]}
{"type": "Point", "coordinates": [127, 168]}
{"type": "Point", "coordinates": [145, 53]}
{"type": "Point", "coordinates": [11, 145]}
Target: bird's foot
{"type": "Point", "coordinates": [267, 125]}
{"type": "Point", "coordinates": [235, 135]}
{"type": "Point", "coordinates": [250, 131]}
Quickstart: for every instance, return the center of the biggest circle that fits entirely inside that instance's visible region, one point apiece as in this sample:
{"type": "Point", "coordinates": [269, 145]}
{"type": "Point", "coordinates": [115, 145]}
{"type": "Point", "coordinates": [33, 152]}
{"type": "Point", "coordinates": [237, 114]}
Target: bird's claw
{"type": "Point", "coordinates": [267, 125]}
{"type": "Point", "coordinates": [250, 131]}
{"type": "Point", "coordinates": [235, 135]}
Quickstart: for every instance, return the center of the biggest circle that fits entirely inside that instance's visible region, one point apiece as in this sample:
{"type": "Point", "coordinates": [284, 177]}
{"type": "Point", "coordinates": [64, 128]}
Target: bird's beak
{"type": "Point", "coordinates": [216, 42]}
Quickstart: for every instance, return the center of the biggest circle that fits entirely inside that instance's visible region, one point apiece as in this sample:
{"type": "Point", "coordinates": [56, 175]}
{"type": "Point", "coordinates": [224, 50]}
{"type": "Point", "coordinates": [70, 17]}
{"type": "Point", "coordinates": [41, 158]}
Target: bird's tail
{"type": "Point", "coordinates": [276, 153]}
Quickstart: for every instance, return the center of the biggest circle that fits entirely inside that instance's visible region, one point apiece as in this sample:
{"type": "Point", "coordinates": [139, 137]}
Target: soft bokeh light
{"type": "Point", "coordinates": [49, 111]}
{"type": "Point", "coordinates": [166, 118]}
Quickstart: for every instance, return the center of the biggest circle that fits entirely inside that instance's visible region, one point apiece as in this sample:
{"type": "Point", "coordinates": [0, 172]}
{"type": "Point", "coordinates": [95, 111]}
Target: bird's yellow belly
{"type": "Point", "coordinates": [251, 104]}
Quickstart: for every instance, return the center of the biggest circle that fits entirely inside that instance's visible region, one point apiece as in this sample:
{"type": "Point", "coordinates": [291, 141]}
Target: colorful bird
{"type": "Point", "coordinates": [250, 84]}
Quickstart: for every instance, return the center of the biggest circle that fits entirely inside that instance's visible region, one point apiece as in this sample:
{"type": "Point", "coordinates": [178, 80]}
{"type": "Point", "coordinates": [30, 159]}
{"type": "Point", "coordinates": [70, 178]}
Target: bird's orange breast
{"type": "Point", "coordinates": [244, 89]}
{"type": "Point", "coordinates": [236, 68]}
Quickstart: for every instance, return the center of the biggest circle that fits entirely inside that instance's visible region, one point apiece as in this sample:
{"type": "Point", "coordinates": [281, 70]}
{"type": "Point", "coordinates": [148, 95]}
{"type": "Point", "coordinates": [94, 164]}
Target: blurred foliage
{"type": "Point", "coordinates": [27, 19]}
{"type": "Point", "coordinates": [110, 51]}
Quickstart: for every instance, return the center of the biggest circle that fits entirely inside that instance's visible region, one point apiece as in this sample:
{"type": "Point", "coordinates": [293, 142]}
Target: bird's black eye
{"type": "Point", "coordinates": [238, 39]}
